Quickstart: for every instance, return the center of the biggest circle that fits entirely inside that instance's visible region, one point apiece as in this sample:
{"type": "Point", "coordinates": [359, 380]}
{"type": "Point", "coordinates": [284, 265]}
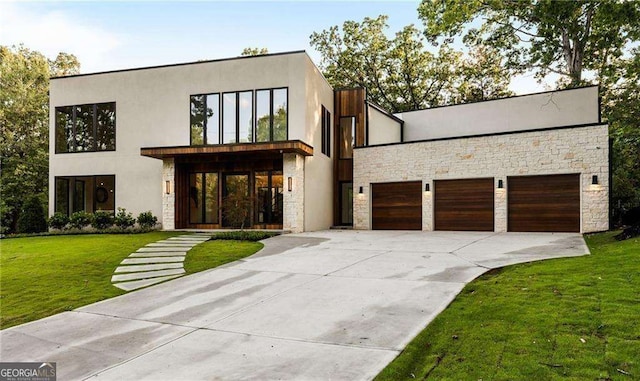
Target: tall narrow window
{"type": "Point", "coordinates": [64, 129]}
{"type": "Point", "coordinates": [196, 206]}
{"type": "Point", "coordinates": [326, 132]}
{"type": "Point", "coordinates": [84, 128]}
{"type": "Point", "coordinates": [229, 118]}
{"type": "Point", "coordinates": [198, 107]}
{"type": "Point", "coordinates": [213, 119]}
{"type": "Point", "coordinates": [263, 116]}
{"type": "Point", "coordinates": [347, 136]}
{"type": "Point", "coordinates": [106, 126]}
{"type": "Point", "coordinates": [211, 198]}
{"type": "Point", "coordinates": [245, 117]}
{"type": "Point", "coordinates": [62, 195]}
{"type": "Point", "coordinates": [280, 114]}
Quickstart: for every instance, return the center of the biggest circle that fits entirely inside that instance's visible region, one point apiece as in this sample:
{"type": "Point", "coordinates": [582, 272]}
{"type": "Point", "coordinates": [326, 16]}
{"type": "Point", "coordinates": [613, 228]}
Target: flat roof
{"type": "Point", "coordinates": [181, 64]}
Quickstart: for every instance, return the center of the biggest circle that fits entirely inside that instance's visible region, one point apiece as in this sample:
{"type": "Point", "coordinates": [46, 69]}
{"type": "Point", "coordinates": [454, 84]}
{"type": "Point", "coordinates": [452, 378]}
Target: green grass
{"type": "Point", "coordinates": [215, 253]}
{"type": "Point", "coordinates": [42, 276]}
{"type": "Point", "coordinates": [569, 319]}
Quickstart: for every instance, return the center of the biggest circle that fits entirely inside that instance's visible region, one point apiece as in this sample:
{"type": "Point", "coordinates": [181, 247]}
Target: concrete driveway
{"type": "Point", "coordinates": [312, 306]}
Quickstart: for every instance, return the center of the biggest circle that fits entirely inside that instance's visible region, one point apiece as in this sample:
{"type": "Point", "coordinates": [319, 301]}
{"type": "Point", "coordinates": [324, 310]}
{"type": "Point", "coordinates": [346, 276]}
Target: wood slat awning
{"type": "Point", "coordinates": [288, 146]}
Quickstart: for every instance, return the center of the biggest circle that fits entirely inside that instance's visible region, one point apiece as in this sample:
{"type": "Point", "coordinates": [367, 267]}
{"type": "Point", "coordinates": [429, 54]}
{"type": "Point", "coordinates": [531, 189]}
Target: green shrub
{"type": "Point", "coordinates": [147, 220]}
{"type": "Point", "coordinates": [244, 235]}
{"type": "Point", "coordinates": [58, 221]}
{"type": "Point", "coordinates": [102, 220]}
{"type": "Point", "coordinates": [124, 220]}
{"type": "Point", "coordinates": [32, 218]}
{"type": "Point", "coordinates": [79, 220]}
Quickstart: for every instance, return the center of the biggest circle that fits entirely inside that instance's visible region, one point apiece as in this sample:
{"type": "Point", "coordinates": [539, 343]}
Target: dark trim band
{"type": "Point", "coordinates": [486, 135]}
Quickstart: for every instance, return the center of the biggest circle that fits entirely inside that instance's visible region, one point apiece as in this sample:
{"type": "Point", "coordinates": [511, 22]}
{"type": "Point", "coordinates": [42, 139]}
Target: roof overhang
{"type": "Point", "coordinates": [288, 146]}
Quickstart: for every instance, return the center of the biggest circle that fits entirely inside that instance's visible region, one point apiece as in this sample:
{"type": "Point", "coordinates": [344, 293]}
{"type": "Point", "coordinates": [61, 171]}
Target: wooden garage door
{"type": "Point", "coordinates": [464, 204]}
{"type": "Point", "coordinates": [397, 206]}
{"type": "Point", "coordinates": [544, 203]}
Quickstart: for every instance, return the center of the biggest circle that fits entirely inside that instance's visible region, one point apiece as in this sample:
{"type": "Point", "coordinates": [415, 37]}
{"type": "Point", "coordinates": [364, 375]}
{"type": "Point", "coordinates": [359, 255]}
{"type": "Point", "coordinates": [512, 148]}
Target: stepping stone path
{"type": "Point", "coordinates": [156, 262]}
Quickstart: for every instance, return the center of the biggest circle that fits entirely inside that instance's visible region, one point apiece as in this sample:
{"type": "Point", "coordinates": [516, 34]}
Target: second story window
{"type": "Point", "coordinates": [326, 132]}
{"type": "Point", "coordinates": [205, 119]}
{"type": "Point", "coordinates": [86, 128]}
{"type": "Point", "coordinates": [232, 118]}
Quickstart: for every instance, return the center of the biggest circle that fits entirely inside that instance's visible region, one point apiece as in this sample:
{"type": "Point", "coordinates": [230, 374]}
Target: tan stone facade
{"type": "Point", "coordinates": [582, 150]}
{"type": "Point", "coordinates": [168, 199]}
{"type": "Point", "coordinates": [293, 200]}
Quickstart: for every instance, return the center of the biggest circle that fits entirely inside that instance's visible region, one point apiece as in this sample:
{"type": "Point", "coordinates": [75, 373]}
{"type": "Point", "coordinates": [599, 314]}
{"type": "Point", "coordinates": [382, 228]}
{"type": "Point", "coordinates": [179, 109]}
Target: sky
{"type": "Point", "coordinates": [120, 35]}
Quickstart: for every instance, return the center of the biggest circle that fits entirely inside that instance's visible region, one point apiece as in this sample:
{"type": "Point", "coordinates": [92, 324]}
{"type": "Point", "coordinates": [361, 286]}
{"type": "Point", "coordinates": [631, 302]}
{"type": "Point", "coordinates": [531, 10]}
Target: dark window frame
{"type": "Point", "coordinates": [69, 181]}
{"type": "Point", "coordinates": [94, 129]}
{"type": "Point", "coordinates": [203, 198]}
{"type": "Point", "coordinates": [354, 127]}
{"type": "Point", "coordinates": [326, 131]}
{"type": "Point", "coordinates": [270, 90]}
{"type": "Point", "coordinates": [205, 120]}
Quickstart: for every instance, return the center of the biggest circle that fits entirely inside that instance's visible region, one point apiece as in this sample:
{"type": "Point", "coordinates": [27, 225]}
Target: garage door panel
{"type": "Point", "coordinates": [548, 203]}
{"type": "Point", "coordinates": [397, 206]}
{"type": "Point", "coordinates": [466, 204]}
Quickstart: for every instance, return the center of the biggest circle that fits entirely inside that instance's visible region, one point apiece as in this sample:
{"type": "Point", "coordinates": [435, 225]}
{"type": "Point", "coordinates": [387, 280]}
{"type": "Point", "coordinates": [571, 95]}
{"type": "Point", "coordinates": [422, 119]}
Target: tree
{"type": "Point", "coordinates": [32, 217]}
{"type": "Point", "coordinates": [569, 38]}
{"type": "Point", "coordinates": [563, 37]}
{"type": "Point", "coordinates": [482, 77]}
{"type": "Point", "coordinates": [400, 74]}
{"type": "Point", "coordinates": [254, 51]}
{"type": "Point", "coordinates": [24, 126]}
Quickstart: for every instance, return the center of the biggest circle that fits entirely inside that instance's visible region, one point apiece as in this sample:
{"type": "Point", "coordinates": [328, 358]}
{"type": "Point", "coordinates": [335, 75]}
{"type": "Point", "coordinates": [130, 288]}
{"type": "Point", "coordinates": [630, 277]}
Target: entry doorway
{"type": "Point", "coordinates": [235, 195]}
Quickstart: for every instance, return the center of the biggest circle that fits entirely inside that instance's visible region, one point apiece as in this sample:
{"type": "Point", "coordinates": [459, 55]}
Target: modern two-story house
{"type": "Point", "coordinates": [180, 140]}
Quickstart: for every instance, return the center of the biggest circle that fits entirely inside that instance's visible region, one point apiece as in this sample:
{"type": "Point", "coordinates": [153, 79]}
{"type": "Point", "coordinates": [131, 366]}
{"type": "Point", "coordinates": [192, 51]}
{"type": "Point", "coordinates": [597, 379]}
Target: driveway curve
{"type": "Point", "coordinates": [311, 306]}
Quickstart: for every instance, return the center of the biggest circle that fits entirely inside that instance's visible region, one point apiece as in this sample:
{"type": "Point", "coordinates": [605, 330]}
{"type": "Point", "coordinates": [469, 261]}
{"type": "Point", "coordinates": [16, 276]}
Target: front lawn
{"type": "Point", "coordinates": [575, 318]}
{"type": "Point", "coordinates": [42, 276]}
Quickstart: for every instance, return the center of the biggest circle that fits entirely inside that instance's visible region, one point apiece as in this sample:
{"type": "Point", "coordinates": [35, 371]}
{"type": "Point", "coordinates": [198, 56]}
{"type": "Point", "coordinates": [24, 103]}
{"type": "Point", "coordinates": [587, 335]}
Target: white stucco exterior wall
{"type": "Point", "coordinates": [527, 112]}
{"type": "Point", "coordinates": [581, 150]}
{"type": "Point", "coordinates": [318, 171]}
{"type": "Point", "coordinates": [152, 110]}
{"type": "Point", "coordinates": [382, 128]}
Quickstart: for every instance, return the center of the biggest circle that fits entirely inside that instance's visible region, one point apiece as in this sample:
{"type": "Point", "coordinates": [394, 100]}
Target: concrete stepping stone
{"type": "Point", "coordinates": [145, 260]}
{"type": "Point", "coordinates": [136, 284]}
{"type": "Point", "coordinates": [139, 268]}
{"type": "Point", "coordinates": [171, 244]}
{"type": "Point", "coordinates": [155, 249]}
{"type": "Point", "coordinates": [156, 262]}
{"type": "Point", "coordinates": [145, 275]}
{"type": "Point", "coordinates": [158, 254]}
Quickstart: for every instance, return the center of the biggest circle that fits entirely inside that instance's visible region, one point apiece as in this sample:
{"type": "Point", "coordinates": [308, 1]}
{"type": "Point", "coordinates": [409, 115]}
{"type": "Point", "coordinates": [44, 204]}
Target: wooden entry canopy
{"type": "Point", "coordinates": [288, 146]}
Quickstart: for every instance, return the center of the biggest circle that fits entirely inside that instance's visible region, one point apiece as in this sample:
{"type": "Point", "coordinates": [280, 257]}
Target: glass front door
{"type": "Point", "coordinates": [203, 198]}
{"type": "Point", "coordinates": [346, 203]}
{"type": "Point", "coordinates": [269, 197]}
{"type": "Point", "coordinates": [236, 203]}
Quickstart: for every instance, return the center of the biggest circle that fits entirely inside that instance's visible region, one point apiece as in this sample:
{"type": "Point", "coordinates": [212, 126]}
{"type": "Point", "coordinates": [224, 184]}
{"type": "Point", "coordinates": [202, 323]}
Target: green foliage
{"type": "Point", "coordinates": [400, 74]}
{"type": "Point", "coordinates": [71, 270]}
{"type": "Point", "coordinates": [254, 51]}
{"type": "Point", "coordinates": [570, 319]}
{"type": "Point", "coordinates": [147, 220]}
{"type": "Point", "coordinates": [563, 37]}
{"type": "Point", "coordinates": [102, 220]}
{"type": "Point", "coordinates": [24, 122]}
{"type": "Point", "coordinates": [123, 219]}
{"type": "Point", "coordinates": [80, 220]}
{"type": "Point", "coordinates": [244, 235]}
{"type": "Point", "coordinates": [32, 217]}
{"type": "Point", "coordinates": [58, 221]}
{"type": "Point", "coordinates": [212, 254]}
{"type": "Point", "coordinates": [236, 206]}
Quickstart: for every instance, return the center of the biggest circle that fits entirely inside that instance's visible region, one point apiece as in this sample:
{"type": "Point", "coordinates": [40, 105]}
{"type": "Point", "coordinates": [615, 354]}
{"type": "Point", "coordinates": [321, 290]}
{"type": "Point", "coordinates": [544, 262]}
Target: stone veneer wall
{"type": "Point", "coordinates": [168, 200]}
{"type": "Point", "coordinates": [583, 150]}
{"type": "Point", "coordinates": [293, 214]}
